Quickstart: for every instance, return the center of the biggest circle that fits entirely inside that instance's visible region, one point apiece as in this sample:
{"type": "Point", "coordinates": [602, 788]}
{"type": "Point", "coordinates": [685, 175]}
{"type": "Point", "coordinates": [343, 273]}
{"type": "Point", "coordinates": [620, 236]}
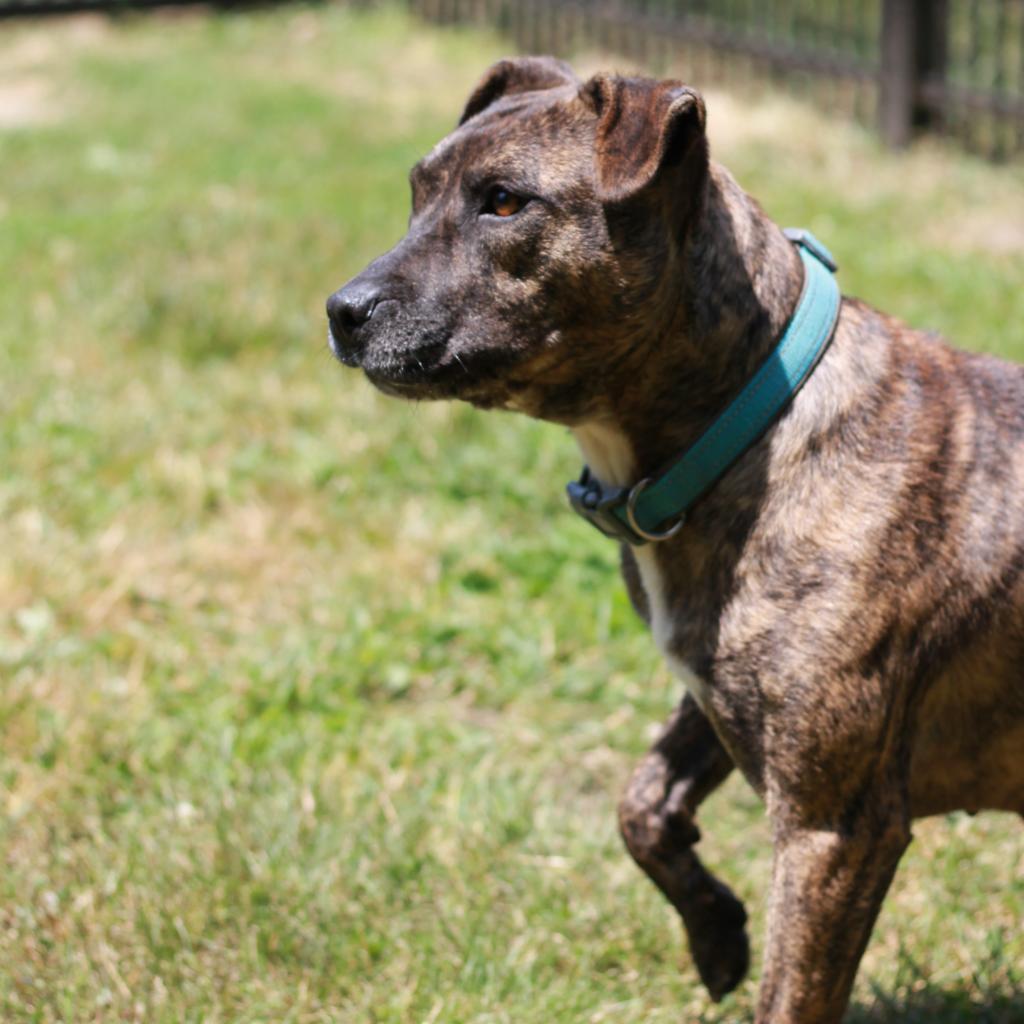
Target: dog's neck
{"type": "Point", "coordinates": [735, 284]}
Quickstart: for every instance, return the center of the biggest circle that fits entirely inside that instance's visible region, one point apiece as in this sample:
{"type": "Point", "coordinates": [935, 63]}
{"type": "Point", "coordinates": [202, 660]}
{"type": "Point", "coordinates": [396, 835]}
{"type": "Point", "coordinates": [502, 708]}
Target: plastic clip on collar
{"type": "Point", "coordinates": [655, 508]}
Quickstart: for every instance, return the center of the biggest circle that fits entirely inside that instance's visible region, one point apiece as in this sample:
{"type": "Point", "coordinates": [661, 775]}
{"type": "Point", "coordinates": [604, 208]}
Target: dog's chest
{"type": "Point", "coordinates": [662, 620]}
{"type": "Point", "coordinates": [609, 457]}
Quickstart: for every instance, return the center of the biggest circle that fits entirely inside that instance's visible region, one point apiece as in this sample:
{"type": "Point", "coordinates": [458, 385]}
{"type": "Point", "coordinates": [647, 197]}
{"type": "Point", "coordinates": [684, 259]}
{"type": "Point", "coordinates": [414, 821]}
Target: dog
{"type": "Point", "coordinates": [845, 601]}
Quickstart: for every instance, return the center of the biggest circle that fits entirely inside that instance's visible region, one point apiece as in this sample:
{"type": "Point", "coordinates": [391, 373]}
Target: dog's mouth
{"type": "Point", "coordinates": [426, 371]}
{"type": "Point", "coordinates": [391, 370]}
{"type": "Point", "coordinates": [435, 370]}
{"type": "Point", "coordinates": [409, 367]}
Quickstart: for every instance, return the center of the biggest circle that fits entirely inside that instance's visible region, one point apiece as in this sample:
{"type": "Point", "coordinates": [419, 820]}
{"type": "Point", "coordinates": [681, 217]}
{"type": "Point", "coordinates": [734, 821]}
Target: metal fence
{"type": "Point", "coordinates": [953, 67]}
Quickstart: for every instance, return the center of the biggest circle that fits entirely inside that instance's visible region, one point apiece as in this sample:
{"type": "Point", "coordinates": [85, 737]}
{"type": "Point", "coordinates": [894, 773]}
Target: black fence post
{"type": "Point", "coordinates": [931, 53]}
{"type": "Point", "coordinates": [913, 50]}
{"type": "Point", "coordinates": [896, 96]}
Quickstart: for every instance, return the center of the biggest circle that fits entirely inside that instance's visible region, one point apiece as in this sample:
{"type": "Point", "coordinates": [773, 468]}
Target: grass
{"type": "Point", "coordinates": [315, 706]}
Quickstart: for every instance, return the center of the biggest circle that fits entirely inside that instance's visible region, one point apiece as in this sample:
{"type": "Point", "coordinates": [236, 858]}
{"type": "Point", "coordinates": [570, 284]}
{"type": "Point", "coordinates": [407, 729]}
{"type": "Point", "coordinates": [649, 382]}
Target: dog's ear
{"type": "Point", "coordinates": [644, 127]}
{"type": "Point", "coordinates": [517, 74]}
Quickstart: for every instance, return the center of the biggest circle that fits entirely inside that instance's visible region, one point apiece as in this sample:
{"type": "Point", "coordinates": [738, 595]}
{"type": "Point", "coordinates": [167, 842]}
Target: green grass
{"type": "Point", "coordinates": [315, 706]}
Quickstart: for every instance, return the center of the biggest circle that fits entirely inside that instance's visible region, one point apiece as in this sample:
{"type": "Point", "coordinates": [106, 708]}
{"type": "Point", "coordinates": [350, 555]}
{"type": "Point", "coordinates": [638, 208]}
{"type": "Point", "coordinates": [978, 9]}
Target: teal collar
{"type": "Point", "coordinates": [655, 508]}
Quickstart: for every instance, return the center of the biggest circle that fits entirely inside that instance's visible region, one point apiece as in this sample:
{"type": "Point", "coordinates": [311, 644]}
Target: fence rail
{"type": "Point", "coordinates": [950, 67]}
{"type": "Point", "coordinates": [43, 8]}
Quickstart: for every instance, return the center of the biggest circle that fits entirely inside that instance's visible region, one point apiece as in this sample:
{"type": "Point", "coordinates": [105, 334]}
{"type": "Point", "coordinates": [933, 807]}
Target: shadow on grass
{"type": "Point", "coordinates": [936, 1006]}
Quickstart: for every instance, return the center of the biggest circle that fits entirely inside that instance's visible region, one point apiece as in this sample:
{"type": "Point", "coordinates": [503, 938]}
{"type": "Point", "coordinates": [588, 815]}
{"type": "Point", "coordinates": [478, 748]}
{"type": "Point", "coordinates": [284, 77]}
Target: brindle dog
{"type": "Point", "coordinates": [846, 605]}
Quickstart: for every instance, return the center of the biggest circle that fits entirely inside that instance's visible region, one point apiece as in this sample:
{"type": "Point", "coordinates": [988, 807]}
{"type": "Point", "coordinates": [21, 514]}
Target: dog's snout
{"type": "Point", "coordinates": [349, 309]}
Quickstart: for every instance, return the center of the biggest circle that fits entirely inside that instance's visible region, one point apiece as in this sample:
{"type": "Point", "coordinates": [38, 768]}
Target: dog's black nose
{"type": "Point", "coordinates": [347, 311]}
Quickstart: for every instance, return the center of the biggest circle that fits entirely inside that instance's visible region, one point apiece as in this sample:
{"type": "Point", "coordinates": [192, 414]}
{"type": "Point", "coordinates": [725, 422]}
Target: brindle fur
{"type": "Point", "coordinates": [849, 598]}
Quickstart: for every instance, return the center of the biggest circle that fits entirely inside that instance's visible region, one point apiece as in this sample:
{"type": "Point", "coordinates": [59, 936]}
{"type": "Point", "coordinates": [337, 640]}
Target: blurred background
{"type": "Point", "coordinates": [315, 706]}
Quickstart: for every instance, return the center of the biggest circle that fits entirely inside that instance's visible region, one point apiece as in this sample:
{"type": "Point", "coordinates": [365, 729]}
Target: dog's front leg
{"type": "Point", "coordinates": [828, 883]}
{"type": "Point", "coordinates": [656, 818]}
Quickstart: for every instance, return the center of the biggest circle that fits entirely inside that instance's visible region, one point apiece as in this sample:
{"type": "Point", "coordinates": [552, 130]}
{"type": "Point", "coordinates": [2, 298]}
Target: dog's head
{"type": "Point", "coordinates": [542, 235]}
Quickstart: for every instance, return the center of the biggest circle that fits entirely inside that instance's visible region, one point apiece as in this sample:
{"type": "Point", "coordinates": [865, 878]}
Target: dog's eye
{"type": "Point", "coordinates": [503, 203]}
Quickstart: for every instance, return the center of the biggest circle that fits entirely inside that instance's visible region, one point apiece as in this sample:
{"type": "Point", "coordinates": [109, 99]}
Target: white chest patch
{"type": "Point", "coordinates": [610, 458]}
{"type": "Point", "coordinates": [662, 625]}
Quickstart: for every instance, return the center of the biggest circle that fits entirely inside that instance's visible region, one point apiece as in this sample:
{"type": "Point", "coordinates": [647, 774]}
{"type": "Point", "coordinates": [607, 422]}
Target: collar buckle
{"type": "Point", "coordinates": [612, 510]}
{"type": "Point", "coordinates": [801, 236]}
{"type": "Point", "coordinates": [597, 503]}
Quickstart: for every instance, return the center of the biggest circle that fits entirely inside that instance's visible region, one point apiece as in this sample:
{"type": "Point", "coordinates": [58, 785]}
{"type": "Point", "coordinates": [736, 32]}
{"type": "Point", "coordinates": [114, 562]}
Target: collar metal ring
{"type": "Point", "coordinates": [631, 516]}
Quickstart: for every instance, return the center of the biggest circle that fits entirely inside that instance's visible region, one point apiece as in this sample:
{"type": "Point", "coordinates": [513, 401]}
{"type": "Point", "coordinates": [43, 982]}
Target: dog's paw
{"type": "Point", "coordinates": [716, 927]}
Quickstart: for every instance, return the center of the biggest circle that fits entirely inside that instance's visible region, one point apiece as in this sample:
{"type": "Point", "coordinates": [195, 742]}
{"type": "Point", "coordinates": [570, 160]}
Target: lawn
{"type": "Point", "coordinates": [315, 706]}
